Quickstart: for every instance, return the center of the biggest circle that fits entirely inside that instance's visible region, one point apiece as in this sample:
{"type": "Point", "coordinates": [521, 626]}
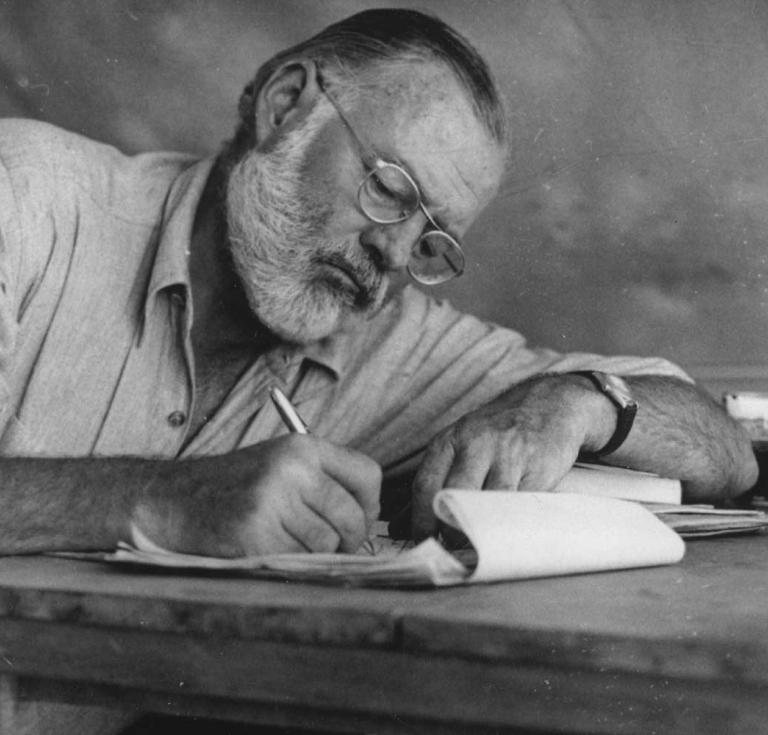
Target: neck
{"type": "Point", "coordinates": [223, 318]}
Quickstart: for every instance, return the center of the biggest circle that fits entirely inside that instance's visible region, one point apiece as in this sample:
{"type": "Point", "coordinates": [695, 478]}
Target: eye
{"type": "Point", "coordinates": [389, 186]}
{"type": "Point", "coordinates": [379, 190]}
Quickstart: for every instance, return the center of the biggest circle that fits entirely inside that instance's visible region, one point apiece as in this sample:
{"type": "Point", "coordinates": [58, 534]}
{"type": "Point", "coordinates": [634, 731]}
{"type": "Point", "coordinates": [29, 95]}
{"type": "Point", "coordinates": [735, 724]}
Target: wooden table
{"type": "Point", "coordinates": [677, 649]}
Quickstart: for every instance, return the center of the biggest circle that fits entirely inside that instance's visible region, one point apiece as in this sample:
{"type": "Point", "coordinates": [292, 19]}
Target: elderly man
{"type": "Point", "coordinates": [148, 304]}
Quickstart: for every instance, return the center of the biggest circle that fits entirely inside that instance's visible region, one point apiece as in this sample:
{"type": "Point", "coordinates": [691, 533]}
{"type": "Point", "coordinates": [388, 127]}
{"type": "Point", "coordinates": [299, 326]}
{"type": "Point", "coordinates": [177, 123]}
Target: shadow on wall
{"type": "Point", "coordinates": [634, 215]}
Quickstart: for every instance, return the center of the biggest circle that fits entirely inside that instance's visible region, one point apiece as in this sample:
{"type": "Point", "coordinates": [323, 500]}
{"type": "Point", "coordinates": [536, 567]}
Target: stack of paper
{"type": "Point", "coordinates": [692, 521]}
{"type": "Point", "coordinates": [661, 496]}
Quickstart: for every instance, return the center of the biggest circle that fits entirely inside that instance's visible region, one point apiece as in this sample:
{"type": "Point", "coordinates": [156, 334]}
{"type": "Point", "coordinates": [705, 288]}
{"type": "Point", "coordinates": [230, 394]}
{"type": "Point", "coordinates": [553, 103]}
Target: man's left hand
{"type": "Point", "coordinates": [526, 439]}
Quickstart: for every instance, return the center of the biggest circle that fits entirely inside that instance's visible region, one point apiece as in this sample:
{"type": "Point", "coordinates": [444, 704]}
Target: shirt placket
{"type": "Point", "coordinates": [247, 416]}
{"type": "Point", "coordinates": [149, 414]}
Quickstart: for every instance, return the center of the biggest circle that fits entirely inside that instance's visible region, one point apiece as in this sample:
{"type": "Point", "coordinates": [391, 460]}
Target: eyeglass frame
{"type": "Point", "coordinates": [368, 154]}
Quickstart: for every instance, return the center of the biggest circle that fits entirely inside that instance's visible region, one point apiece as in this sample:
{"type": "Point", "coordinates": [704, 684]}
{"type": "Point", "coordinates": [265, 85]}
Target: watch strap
{"type": "Point", "coordinates": [622, 399]}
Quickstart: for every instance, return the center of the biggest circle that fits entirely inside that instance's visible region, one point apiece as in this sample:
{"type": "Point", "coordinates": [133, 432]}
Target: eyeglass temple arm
{"type": "Point", "coordinates": [365, 149]}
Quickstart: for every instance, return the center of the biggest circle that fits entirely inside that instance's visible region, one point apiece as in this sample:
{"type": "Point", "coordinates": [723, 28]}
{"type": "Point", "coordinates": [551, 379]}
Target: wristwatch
{"type": "Point", "coordinates": [617, 390]}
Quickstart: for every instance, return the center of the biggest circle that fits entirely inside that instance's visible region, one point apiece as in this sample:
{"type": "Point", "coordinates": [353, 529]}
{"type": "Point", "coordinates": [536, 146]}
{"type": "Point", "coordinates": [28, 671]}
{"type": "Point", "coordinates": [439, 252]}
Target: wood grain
{"type": "Point", "coordinates": [679, 649]}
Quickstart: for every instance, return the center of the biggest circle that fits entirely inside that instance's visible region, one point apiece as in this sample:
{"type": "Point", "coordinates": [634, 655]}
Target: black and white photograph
{"type": "Point", "coordinates": [379, 368]}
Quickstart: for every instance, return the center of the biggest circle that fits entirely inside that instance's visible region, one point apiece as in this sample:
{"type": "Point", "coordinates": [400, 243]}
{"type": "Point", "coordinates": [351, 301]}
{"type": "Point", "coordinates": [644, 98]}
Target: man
{"type": "Point", "coordinates": [148, 304]}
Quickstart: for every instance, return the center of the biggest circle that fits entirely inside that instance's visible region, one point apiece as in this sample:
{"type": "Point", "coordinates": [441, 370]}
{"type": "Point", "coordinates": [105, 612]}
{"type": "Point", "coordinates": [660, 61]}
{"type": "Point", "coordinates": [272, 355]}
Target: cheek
{"type": "Point", "coordinates": [329, 181]}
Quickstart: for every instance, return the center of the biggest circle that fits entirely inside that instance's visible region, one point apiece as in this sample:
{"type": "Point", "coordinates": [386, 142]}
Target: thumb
{"type": "Point", "coordinates": [428, 481]}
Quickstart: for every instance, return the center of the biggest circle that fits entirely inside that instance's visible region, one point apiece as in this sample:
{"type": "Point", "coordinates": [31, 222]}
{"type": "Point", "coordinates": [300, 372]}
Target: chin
{"type": "Point", "coordinates": [300, 321]}
{"type": "Point", "coordinates": [311, 320]}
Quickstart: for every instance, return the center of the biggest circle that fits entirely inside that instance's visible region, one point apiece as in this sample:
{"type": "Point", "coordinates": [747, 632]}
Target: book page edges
{"type": "Point", "coordinates": [615, 482]}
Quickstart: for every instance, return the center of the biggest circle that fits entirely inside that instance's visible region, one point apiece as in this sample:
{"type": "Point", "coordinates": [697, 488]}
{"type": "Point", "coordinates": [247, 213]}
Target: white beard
{"type": "Point", "coordinates": [279, 250]}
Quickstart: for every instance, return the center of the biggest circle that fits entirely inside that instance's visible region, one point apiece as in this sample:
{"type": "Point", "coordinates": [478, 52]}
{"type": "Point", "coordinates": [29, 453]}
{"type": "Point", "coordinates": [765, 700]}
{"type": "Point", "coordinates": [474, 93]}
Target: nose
{"type": "Point", "coordinates": [393, 243]}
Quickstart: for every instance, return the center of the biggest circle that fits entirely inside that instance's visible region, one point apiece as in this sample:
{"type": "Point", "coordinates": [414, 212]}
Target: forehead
{"type": "Point", "coordinates": [424, 121]}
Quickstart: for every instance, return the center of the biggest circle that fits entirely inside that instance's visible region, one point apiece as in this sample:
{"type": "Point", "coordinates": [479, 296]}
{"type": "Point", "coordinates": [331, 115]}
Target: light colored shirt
{"type": "Point", "coordinates": [95, 349]}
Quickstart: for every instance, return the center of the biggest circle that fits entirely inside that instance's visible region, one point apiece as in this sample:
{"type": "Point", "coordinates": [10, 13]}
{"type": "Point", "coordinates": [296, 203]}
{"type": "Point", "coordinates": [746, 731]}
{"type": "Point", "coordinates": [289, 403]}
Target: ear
{"type": "Point", "coordinates": [286, 98]}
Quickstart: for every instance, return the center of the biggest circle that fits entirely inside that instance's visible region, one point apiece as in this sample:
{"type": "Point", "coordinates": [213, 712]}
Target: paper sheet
{"type": "Point", "coordinates": [515, 536]}
{"type": "Point", "coordinates": [520, 535]}
{"type": "Point", "coordinates": [617, 482]}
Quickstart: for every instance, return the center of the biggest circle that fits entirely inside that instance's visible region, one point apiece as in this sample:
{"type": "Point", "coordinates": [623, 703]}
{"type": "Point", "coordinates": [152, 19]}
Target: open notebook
{"type": "Point", "coordinates": [589, 524]}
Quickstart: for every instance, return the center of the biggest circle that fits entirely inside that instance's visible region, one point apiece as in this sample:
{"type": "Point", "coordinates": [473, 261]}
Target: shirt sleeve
{"type": "Point", "coordinates": [10, 237]}
{"type": "Point", "coordinates": [433, 364]}
{"type": "Point", "coordinates": [28, 216]}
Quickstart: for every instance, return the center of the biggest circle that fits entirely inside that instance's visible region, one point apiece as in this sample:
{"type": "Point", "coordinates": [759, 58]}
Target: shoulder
{"type": "Point", "coordinates": [44, 166]}
{"type": "Point", "coordinates": [416, 332]}
{"type": "Point", "coordinates": [422, 318]}
{"type": "Point", "coordinates": [30, 146]}
{"type": "Point", "coordinates": [411, 309]}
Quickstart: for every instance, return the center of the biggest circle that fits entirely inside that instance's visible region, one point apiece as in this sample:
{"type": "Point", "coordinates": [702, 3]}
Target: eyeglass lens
{"type": "Point", "coordinates": [435, 259]}
{"type": "Point", "coordinates": [388, 195]}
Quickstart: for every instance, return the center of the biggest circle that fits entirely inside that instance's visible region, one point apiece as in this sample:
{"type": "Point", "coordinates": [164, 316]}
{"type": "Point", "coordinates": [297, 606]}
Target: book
{"type": "Point", "coordinates": [663, 497]}
{"type": "Point", "coordinates": [698, 521]}
{"type": "Point", "coordinates": [619, 482]}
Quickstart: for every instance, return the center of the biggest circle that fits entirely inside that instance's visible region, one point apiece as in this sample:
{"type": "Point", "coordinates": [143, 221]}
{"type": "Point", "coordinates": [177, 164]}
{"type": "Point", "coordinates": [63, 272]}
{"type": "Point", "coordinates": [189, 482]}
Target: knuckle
{"type": "Point", "coordinates": [300, 445]}
{"type": "Point", "coordinates": [352, 530]}
{"type": "Point", "coordinates": [443, 439]}
{"type": "Point", "coordinates": [471, 432]}
{"type": "Point", "coordinates": [321, 538]}
{"type": "Point", "coordinates": [291, 473]}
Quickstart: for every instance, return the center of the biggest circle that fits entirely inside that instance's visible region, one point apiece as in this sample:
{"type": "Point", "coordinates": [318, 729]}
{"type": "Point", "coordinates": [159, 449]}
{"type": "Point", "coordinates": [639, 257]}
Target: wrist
{"type": "Point", "coordinates": [591, 415]}
{"type": "Point", "coordinates": [157, 512]}
{"type": "Point", "coordinates": [615, 391]}
{"type": "Point", "coordinates": [595, 411]}
{"type": "Point", "coordinates": [184, 506]}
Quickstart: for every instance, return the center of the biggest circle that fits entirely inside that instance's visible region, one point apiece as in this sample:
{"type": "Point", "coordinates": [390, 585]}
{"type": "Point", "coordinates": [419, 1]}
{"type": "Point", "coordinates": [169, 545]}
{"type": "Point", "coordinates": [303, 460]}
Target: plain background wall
{"type": "Point", "coordinates": [635, 213]}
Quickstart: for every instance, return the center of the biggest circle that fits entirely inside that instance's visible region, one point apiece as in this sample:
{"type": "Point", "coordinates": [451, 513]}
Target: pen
{"type": "Point", "coordinates": [295, 423]}
{"type": "Point", "coordinates": [288, 413]}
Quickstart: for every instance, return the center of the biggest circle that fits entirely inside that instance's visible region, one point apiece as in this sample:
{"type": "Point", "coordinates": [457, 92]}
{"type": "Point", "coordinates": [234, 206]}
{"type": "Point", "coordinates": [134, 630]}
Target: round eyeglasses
{"type": "Point", "coordinates": [387, 195]}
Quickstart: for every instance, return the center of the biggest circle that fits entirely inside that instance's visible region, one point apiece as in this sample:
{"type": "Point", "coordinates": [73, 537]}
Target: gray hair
{"type": "Point", "coordinates": [377, 36]}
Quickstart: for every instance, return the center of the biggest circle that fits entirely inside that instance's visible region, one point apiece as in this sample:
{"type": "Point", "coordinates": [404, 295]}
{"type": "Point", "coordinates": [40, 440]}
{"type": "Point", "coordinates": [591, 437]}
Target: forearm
{"type": "Point", "coordinates": [680, 431]}
{"type": "Point", "coordinates": [293, 493]}
{"type": "Point", "coordinates": [69, 504]}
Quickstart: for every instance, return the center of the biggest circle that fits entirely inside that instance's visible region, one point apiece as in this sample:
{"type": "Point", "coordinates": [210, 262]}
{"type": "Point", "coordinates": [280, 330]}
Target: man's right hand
{"type": "Point", "coordinates": [294, 493]}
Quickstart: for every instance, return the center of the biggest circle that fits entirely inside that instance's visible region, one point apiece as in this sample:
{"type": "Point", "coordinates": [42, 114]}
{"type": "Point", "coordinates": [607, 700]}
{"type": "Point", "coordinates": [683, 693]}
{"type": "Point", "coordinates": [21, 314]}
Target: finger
{"type": "Point", "coordinates": [470, 466]}
{"type": "Point", "coordinates": [546, 467]}
{"type": "Point", "coordinates": [504, 473]}
{"type": "Point", "coordinates": [358, 474]}
{"type": "Point", "coordinates": [311, 531]}
{"type": "Point", "coordinates": [541, 478]}
{"type": "Point", "coordinates": [340, 511]}
{"type": "Point", "coordinates": [288, 526]}
{"type": "Point", "coordinates": [429, 479]}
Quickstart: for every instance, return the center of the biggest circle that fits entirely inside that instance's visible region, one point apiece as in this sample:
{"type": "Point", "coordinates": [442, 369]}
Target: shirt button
{"type": "Point", "coordinates": [177, 418]}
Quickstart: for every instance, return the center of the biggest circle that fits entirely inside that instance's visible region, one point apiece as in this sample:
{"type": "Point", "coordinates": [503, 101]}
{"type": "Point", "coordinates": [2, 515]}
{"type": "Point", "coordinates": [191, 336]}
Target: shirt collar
{"type": "Point", "coordinates": [332, 353]}
{"type": "Point", "coordinates": [171, 265]}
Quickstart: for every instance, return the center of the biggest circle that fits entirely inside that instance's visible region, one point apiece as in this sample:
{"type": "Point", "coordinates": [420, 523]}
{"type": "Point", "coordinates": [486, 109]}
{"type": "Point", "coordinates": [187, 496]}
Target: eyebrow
{"type": "Point", "coordinates": [366, 148]}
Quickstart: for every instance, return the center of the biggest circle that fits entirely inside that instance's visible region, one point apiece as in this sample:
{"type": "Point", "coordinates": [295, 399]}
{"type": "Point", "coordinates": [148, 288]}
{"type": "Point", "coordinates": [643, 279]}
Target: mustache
{"type": "Point", "coordinates": [364, 271]}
